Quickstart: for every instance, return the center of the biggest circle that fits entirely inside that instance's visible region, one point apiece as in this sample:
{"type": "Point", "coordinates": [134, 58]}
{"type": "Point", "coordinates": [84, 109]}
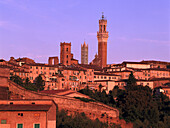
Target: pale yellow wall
{"type": "Point", "coordinates": [143, 66]}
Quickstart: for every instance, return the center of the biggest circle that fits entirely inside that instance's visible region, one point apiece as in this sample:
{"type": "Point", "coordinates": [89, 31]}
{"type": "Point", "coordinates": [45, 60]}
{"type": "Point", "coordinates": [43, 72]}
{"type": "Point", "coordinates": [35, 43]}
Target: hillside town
{"type": "Point", "coordinates": [65, 77]}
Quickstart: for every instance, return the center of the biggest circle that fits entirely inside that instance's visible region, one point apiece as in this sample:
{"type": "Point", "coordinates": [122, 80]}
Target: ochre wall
{"type": "Point", "coordinates": [28, 118]}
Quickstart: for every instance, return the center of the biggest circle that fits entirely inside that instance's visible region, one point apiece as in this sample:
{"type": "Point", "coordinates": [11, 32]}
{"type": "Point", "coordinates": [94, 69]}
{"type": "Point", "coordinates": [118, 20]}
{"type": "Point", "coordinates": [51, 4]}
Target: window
{"type": "Point", "coordinates": [3, 121]}
{"type": "Point", "coordinates": [19, 125]}
{"type": "Point", "coordinates": [67, 49]}
{"type": "Point", "coordinates": [36, 67]}
{"type": "Point", "coordinates": [67, 56]}
{"type": "Point", "coordinates": [20, 114]}
{"type": "Point", "coordinates": [101, 28]}
{"type": "Point", "coordinates": [104, 28]}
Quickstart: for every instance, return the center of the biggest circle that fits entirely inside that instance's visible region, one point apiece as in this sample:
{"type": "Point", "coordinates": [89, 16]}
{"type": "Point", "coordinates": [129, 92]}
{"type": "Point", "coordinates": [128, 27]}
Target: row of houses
{"type": "Point", "coordinates": [78, 76]}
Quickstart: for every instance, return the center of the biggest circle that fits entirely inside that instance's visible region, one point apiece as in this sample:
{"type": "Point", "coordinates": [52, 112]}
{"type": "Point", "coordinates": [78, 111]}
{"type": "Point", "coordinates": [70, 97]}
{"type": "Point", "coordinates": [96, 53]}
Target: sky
{"type": "Point", "coordinates": [138, 29]}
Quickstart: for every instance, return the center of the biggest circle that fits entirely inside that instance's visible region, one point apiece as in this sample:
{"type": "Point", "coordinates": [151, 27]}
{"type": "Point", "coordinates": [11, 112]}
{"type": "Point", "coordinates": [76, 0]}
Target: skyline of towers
{"type": "Point", "coordinates": [102, 36]}
{"type": "Point", "coordinates": [66, 57]}
{"type": "Point", "coordinates": [84, 53]}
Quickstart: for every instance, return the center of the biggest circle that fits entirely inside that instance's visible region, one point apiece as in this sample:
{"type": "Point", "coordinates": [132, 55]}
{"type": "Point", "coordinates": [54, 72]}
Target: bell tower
{"type": "Point", "coordinates": [102, 36]}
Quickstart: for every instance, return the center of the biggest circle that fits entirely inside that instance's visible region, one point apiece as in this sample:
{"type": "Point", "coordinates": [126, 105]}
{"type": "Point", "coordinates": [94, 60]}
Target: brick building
{"type": "Point", "coordinates": [66, 57]}
{"type": "Point", "coordinates": [27, 114]}
{"type": "Point", "coordinates": [65, 53]}
{"type": "Point", "coordinates": [102, 36]}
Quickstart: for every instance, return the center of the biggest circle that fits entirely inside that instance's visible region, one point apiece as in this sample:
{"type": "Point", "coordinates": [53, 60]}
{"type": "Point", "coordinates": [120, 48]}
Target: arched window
{"type": "Point", "coordinates": [104, 28]}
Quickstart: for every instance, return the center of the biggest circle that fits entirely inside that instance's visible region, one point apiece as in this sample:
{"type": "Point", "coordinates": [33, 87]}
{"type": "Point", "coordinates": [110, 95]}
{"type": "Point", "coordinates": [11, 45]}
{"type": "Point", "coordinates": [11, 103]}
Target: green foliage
{"type": "Point", "coordinates": [39, 83]}
{"type": "Point", "coordinates": [100, 87]}
{"type": "Point", "coordinates": [79, 121]}
{"type": "Point", "coordinates": [131, 81]}
{"type": "Point", "coordinates": [138, 105]}
{"type": "Point", "coordinates": [17, 80]}
{"type": "Point", "coordinates": [85, 99]}
{"type": "Point", "coordinates": [24, 83]}
{"type": "Point", "coordinates": [99, 96]}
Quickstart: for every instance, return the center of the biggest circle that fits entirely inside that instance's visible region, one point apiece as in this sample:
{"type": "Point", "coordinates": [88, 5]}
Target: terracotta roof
{"type": "Point", "coordinates": [53, 91]}
{"type": "Point", "coordinates": [88, 66]}
{"type": "Point", "coordinates": [130, 62]}
{"type": "Point", "coordinates": [157, 69]}
{"type": "Point", "coordinates": [103, 80]}
{"type": "Point", "coordinates": [2, 60]}
{"type": "Point", "coordinates": [154, 61]}
{"type": "Point", "coordinates": [74, 68]}
{"type": "Point", "coordinates": [42, 65]}
{"type": "Point", "coordinates": [106, 74]}
{"type": "Point", "coordinates": [31, 107]}
{"type": "Point", "coordinates": [74, 59]}
{"type": "Point", "coordinates": [119, 71]}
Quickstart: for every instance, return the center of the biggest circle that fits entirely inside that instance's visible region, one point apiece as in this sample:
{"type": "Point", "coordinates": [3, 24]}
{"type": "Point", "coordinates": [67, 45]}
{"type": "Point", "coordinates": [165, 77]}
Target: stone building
{"type": "Point", "coordinates": [84, 53]}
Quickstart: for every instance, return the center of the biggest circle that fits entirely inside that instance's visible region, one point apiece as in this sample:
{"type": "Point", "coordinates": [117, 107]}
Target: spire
{"type": "Point", "coordinates": [84, 43]}
{"type": "Point", "coordinates": [102, 15]}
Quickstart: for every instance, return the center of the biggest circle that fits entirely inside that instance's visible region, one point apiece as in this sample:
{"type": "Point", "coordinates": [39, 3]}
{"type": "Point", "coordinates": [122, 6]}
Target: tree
{"type": "Point", "coordinates": [131, 81]}
{"type": "Point", "coordinates": [100, 87]}
{"type": "Point", "coordinates": [39, 83]}
{"type": "Point", "coordinates": [17, 80]}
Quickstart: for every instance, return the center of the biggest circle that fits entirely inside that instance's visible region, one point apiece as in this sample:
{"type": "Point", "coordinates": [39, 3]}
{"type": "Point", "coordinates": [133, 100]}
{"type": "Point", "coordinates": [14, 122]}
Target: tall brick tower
{"type": "Point", "coordinates": [102, 36]}
{"type": "Point", "coordinates": [84, 53]}
{"type": "Point", "coordinates": [65, 53]}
